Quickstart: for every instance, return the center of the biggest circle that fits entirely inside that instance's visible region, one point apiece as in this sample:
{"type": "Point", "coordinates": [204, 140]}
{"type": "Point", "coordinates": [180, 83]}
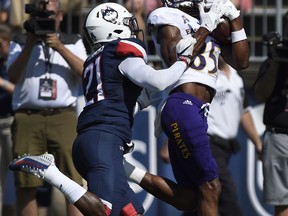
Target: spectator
{"type": "Point", "coordinates": [4, 10]}
{"type": "Point", "coordinates": [6, 115]}
{"type": "Point", "coordinates": [137, 7]}
{"type": "Point", "coordinates": [141, 9]}
{"type": "Point", "coordinates": [151, 5]}
{"type": "Point", "coordinates": [243, 5]}
{"type": "Point", "coordinates": [46, 73]}
{"type": "Point", "coordinates": [271, 87]}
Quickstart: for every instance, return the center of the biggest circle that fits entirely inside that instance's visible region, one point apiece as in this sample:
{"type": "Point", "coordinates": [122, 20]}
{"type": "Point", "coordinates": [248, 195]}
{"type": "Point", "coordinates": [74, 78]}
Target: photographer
{"type": "Point", "coordinates": [46, 66]}
{"type": "Point", "coordinates": [271, 87]}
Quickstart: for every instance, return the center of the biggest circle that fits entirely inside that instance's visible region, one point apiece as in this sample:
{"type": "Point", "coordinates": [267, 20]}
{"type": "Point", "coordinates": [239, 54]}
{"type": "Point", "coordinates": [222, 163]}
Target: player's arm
{"type": "Point", "coordinates": [236, 54]}
{"type": "Point", "coordinates": [168, 36]}
{"type": "Point", "coordinates": [162, 188]}
{"type": "Point", "coordinates": [136, 69]}
{"type": "Point", "coordinates": [145, 76]}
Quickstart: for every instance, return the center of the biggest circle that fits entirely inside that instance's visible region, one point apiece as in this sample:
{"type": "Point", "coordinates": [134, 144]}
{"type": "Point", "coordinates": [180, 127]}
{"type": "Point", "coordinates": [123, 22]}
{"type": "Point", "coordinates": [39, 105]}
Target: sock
{"type": "Point", "coordinates": [68, 187]}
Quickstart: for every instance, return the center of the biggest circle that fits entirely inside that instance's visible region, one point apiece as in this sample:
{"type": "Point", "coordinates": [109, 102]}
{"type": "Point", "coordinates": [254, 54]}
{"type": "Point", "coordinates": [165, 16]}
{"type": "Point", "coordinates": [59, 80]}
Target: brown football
{"type": "Point", "coordinates": [222, 33]}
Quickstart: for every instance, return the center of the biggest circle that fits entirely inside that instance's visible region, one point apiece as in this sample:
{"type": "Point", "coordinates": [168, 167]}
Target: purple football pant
{"type": "Point", "coordinates": [185, 124]}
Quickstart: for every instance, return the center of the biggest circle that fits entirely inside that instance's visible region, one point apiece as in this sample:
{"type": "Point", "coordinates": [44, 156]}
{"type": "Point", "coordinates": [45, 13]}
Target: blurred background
{"type": "Point", "coordinates": [259, 17]}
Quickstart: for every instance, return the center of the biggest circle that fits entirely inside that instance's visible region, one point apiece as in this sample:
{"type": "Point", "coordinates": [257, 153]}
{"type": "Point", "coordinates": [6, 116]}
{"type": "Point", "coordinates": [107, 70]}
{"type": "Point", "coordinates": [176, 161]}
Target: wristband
{"type": "Point", "coordinates": [238, 36]}
{"type": "Point", "coordinates": [137, 175]}
{"type": "Point", "coordinates": [133, 173]}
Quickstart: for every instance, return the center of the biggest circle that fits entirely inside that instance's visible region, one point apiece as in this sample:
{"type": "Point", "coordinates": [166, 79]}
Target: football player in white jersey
{"type": "Point", "coordinates": [184, 114]}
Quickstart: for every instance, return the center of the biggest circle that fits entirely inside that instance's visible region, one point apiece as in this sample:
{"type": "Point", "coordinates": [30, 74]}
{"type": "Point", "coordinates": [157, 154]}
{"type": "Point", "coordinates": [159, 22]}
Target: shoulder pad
{"type": "Point", "coordinates": [132, 47]}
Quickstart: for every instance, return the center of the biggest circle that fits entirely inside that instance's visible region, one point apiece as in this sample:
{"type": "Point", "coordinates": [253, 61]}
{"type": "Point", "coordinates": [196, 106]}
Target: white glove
{"type": "Point", "coordinates": [128, 147]}
{"type": "Point", "coordinates": [231, 11]}
{"type": "Point", "coordinates": [211, 19]}
{"type": "Point", "coordinates": [184, 49]}
{"type": "Point", "coordinates": [147, 98]}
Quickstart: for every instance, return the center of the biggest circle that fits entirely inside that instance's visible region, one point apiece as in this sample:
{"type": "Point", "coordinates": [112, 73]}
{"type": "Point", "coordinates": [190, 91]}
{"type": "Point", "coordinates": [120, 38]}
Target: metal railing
{"type": "Point", "coordinates": [263, 12]}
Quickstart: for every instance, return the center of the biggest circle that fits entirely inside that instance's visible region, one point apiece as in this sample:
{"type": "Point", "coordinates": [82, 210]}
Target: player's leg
{"type": "Point", "coordinates": [43, 166]}
{"type": "Point", "coordinates": [184, 122]}
{"type": "Point", "coordinates": [99, 155]}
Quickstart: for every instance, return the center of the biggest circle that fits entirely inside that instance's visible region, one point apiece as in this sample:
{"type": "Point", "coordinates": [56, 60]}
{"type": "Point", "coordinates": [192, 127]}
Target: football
{"type": "Point", "coordinates": [222, 33]}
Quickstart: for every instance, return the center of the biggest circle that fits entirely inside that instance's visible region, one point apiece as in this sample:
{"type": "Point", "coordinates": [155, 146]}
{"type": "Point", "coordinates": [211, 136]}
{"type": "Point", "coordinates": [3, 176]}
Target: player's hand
{"type": "Point", "coordinates": [184, 49]}
{"type": "Point", "coordinates": [212, 18]}
{"type": "Point", "coordinates": [230, 11]}
{"type": "Point", "coordinates": [147, 98]}
{"type": "Point", "coordinates": [128, 147]}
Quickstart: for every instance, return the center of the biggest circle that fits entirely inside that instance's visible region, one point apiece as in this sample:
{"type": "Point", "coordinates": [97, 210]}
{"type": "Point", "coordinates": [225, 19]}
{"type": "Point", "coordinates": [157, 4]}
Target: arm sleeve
{"type": "Point", "coordinates": [147, 77]}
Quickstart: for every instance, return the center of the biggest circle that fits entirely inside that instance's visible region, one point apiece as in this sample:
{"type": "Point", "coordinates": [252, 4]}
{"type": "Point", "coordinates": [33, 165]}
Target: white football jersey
{"type": "Point", "coordinates": [205, 66]}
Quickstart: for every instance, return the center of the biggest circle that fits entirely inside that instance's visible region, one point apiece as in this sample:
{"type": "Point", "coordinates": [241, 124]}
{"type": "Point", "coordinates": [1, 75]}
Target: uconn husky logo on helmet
{"type": "Point", "coordinates": [110, 15]}
{"type": "Point", "coordinates": [107, 22]}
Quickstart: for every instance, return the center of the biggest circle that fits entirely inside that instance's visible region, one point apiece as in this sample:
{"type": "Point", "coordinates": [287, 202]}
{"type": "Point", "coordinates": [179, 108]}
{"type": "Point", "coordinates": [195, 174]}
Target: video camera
{"type": "Point", "coordinates": [39, 22]}
{"type": "Point", "coordinates": [277, 46]}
